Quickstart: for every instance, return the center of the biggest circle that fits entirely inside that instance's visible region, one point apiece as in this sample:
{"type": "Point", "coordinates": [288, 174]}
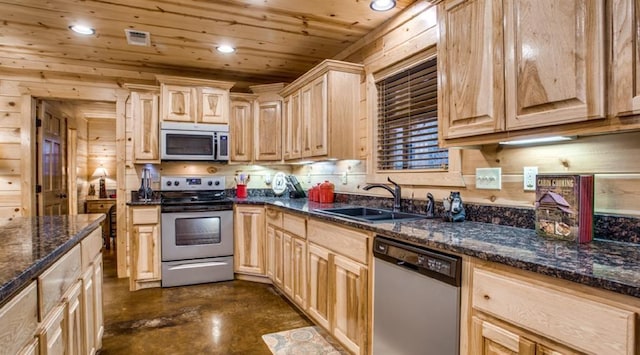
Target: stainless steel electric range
{"type": "Point", "coordinates": [197, 230]}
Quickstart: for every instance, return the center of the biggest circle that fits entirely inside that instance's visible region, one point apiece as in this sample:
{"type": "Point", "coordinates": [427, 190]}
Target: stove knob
{"type": "Point", "coordinates": [217, 183]}
{"type": "Point", "coordinates": [168, 183]}
{"type": "Point", "coordinates": [176, 183]}
{"type": "Point", "coordinates": [210, 183]}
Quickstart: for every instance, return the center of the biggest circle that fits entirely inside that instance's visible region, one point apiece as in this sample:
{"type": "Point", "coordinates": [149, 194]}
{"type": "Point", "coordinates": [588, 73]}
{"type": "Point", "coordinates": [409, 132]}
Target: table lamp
{"type": "Point", "coordinates": [102, 173]}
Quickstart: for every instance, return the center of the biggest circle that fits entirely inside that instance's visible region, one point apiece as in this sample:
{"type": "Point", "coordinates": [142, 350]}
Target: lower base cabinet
{"type": "Point", "coordinates": [144, 226]}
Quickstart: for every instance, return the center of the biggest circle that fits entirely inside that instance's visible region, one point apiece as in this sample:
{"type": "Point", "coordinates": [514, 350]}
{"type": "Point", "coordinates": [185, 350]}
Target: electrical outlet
{"type": "Point", "coordinates": [489, 178]}
{"type": "Point", "coordinates": [529, 176]}
{"type": "Point", "coordinates": [344, 178]}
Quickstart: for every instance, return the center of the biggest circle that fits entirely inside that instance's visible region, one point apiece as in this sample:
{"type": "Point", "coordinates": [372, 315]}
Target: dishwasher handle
{"type": "Point", "coordinates": [431, 263]}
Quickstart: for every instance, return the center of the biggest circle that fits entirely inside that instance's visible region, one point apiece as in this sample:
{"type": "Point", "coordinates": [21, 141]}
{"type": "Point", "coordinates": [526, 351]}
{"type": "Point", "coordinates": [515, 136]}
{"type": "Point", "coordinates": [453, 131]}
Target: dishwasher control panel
{"type": "Point", "coordinates": [441, 266]}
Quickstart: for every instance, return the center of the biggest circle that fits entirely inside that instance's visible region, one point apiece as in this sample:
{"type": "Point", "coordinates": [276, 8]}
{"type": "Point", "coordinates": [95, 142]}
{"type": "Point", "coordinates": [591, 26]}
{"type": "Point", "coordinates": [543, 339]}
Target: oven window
{"type": "Point", "coordinates": [188, 144]}
{"type": "Point", "coordinates": [198, 231]}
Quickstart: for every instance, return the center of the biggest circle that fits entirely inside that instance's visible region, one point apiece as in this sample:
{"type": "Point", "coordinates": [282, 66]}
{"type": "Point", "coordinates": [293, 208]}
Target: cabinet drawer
{"type": "Point", "coordinates": [145, 215]}
{"type": "Point", "coordinates": [295, 225]}
{"type": "Point", "coordinates": [98, 206]}
{"type": "Point", "coordinates": [580, 323]}
{"type": "Point", "coordinates": [344, 241]}
{"type": "Point", "coordinates": [55, 281]}
{"type": "Point", "coordinates": [274, 217]}
{"type": "Point", "coordinates": [91, 246]}
{"type": "Point", "coordinates": [18, 320]}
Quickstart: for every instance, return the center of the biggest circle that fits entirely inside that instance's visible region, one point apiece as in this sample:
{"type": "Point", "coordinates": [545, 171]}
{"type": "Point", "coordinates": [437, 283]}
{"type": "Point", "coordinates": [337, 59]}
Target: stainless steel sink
{"type": "Point", "coordinates": [370, 215]}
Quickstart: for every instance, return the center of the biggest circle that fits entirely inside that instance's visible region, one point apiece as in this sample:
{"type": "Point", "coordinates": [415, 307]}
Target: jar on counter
{"type": "Point", "coordinates": [326, 192]}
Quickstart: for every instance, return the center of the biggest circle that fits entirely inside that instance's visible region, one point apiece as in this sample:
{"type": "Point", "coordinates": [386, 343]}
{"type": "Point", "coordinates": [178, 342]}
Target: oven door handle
{"type": "Point", "coordinates": [197, 265]}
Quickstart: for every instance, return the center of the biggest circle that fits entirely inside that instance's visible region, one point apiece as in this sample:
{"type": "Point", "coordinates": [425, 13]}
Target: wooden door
{"type": "Point", "coordinates": [270, 264]}
{"type": "Point", "coordinates": [299, 271]}
{"type": "Point", "coordinates": [320, 288]}
{"type": "Point", "coordinates": [305, 121]}
{"type": "Point", "coordinates": [490, 339]}
{"type": "Point", "coordinates": [52, 332]}
{"type": "Point", "coordinates": [178, 103]}
{"type": "Point", "coordinates": [292, 127]}
{"type": "Point", "coordinates": [470, 68]}
{"type": "Point", "coordinates": [554, 62]}
{"type": "Point", "coordinates": [625, 66]}
{"type": "Point", "coordinates": [145, 249]}
{"type": "Point", "coordinates": [287, 261]}
{"type": "Point", "coordinates": [144, 107]}
{"type": "Point", "coordinates": [213, 105]}
{"type": "Point", "coordinates": [350, 310]}
{"type": "Point", "coordinates": [278, 272]}
{"type": "Point", "coordinates": [88, 303]}
{"type": "Point", "coordinates": [249, 243]}
{"type": "Point", "coordinates": [241, 130]}
{"type": "Point", "coordinates": [74, 321]}
{"type": "Point", "coordinates": [269, 131]}
{"type": "Point", "coordinates": [52, 179]}
{"type": "Point", "coordinates": [318, 119]}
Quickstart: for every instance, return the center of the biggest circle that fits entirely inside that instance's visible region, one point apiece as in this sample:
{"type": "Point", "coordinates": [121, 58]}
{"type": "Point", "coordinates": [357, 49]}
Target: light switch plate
{"type": "Point", "coordinates": [529, 176]}
{"type": "Point", "coordinates": [489, 178]}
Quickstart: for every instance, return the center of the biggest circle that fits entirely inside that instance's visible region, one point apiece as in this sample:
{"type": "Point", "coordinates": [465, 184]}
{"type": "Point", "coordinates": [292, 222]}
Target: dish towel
{"type": "Point", "coordinates": [297, 341]}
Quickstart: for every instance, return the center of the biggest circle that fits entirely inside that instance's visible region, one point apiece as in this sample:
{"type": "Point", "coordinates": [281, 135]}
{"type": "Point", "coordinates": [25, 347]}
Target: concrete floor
{"type": "Point", "coordinates": [218, 318]}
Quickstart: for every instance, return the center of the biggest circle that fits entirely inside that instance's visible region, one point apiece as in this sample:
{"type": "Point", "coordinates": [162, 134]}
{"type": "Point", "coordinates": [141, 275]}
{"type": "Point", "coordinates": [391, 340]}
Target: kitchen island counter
{"type": "Point", "coordinates": [31, 244]}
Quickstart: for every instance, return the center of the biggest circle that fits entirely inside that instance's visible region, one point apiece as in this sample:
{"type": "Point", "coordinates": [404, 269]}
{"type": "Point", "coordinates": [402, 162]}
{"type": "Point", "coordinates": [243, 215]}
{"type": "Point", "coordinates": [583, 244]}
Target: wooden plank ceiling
{"type": "Point", "coordinates": [276, 40]}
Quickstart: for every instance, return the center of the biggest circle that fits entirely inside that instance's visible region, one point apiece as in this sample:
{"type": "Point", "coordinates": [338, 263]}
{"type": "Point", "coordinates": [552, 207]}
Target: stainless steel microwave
{"type": "Point", "coordinates": [194, 141]}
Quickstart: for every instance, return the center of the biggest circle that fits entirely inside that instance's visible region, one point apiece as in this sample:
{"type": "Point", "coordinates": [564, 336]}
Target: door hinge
{"type": "Point", "coordinates": [38, 189]}
{"type": "Point", "coordinates": [38, 122]}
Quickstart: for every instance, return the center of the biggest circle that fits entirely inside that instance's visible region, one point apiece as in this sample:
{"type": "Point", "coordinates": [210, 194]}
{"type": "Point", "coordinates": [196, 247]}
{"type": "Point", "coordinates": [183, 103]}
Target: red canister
{"type": "Point", "coordinates": [326, 192]}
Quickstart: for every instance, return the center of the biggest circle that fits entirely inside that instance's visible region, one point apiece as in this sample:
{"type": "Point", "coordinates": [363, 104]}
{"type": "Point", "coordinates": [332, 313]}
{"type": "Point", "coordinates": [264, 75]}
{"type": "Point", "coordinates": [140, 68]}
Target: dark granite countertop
{"type": "Point", "coordinates": [608, 265]}
{"type": "Point", "coordinates": [31, 244]}
{"type": "Point", "coordinates": [144, 203]}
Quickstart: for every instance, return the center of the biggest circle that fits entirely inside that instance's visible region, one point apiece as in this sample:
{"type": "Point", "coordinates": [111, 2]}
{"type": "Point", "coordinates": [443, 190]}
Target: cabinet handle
{"type": "Point", "coordinates": [487, 297]}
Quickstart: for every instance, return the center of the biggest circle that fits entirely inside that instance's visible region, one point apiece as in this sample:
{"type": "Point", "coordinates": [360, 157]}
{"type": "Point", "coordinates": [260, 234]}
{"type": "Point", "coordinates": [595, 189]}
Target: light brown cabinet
{"type": "Point", "coordinates": [241, 127]}
{"type": "Point", "coordinates": [249, 242]}
{"type": "Point", "coordinates": [490, 339]}
{"type": "Point", "coordinates": [144, 111]}
{"type": "Point", "coordinates": [625, 41]}
{"type": "Point", "coordinates": [144, 226]}
{"type": "Point", "coordinates": [532, 64]}
{"type": "Point", "coordinates": [18, 321]}
{"type": "Point", "coordinates": [268, 130]}
{"type": "Point", "coordinates": [194, 100]}
{"type": "Point", "coordinates": [323, 106]}
{"type": "Point", "coordinates": [319, 285]}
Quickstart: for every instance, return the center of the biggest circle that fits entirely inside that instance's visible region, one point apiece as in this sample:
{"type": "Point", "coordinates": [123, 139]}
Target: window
{"type": "Point", "coordinates": [408, 120]}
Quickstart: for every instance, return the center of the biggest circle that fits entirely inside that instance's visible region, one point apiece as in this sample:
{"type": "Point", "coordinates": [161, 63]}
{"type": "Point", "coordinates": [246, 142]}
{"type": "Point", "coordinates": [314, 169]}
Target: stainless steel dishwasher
{"type": "Point", "coordinates": [416, 304]}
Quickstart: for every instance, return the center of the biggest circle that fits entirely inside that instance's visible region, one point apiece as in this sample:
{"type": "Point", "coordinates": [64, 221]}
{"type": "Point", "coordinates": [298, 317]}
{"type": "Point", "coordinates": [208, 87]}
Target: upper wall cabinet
{"type": "Point", "coordinates": [321, 112]}
{"type": "Point", "coordinates": [519, 64]}
{"type": "Point", "coordinates": [194, 100]}
{"type": "Point", "coordinates": [241, 127]}
{"type": "Point", "coordinates": [268, 124]}
{"type": "Point", "coordinates": [144, 113]}
{"type": "Point", "coordinates": [625, 68]}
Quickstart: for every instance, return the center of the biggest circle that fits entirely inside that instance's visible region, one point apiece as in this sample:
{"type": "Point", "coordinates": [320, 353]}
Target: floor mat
{"type": "Point", "coordinates": [305, 340]}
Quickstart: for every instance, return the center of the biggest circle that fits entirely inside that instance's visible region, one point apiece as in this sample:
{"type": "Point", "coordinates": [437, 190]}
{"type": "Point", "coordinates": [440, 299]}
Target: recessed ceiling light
{"type": "Point", "coordinates": [82, 29]}
{"type": "Point", "coordinates": [382, 5]}
{"type": "Point", "coordinates": [225, 49]}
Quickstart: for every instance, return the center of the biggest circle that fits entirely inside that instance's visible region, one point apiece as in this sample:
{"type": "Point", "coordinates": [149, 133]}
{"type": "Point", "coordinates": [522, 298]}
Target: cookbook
{"type": "Point", "coordinates": [564, 207]}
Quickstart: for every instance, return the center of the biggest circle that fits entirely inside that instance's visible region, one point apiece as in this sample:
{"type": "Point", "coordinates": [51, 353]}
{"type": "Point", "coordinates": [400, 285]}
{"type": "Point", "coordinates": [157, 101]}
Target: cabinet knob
{"type": "Point", "coordinates": [487, 297]}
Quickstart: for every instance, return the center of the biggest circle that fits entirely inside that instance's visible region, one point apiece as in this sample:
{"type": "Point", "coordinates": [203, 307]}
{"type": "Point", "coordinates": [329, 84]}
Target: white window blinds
{"type": "Point", "coordinates": [408, 120]}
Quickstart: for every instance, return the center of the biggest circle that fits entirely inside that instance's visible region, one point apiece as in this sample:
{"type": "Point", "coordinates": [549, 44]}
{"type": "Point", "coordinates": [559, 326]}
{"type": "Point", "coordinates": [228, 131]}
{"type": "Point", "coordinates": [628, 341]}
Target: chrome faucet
{"type": "Point", "coordinates": [396, 192]}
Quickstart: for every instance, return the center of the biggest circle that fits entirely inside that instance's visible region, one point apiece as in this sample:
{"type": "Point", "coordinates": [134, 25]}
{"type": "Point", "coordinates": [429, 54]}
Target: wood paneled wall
{"type": "Point", "coordinates": [102, 150]}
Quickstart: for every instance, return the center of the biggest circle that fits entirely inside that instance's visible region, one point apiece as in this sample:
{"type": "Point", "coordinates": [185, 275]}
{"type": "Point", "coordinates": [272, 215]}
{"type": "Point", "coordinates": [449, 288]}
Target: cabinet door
{"type": "Point", "coordinates": [305, 121]}
{"type": "Point", "coordinates": [278, 273]}
{"type": "Point", "coordinates": [178, 103]}
{"type": "Point", "coordinates": [554, 62]}
{"type": "Point", "coordinates": [318, 120]}
{"type": "Point", "coordinates": [350, 303]}
{"type": "Point", "coordinates": [145, 247]}
{"type": "Point", "coordinates": [490, 339]}
{"type": "Point", "coordinates": [287, 262]}
{"type": "Point", "coordinates": [268, 131]}
{"type": "Point", "coordinates": [74, 321]}
{"type": "Point", "coordinates": [145, 123]}
{"type": "Point", "coordinates": [319, 286]}
{"type": "Point", "coordinates": [625, 70]}
{"type": "Point", "coordinates": [271, 252]}
{"type": "Point", "coordinates": [299, 272]}
{"type": "Point", "coordinates": [52, 333]}
{"type": "Point", "coordinates": [249, 240]}
{"type": "Point", "coordinates": [241, 131]}
{"type": "Point", "coordinates": [98, 317]}
{"type": "Point", "coordinates": [292, 127]}
{"type": "Point", "coordinates": [213, 105]}
{"type": "Point", "coordinates": [470, 68]}
{"type": "Point", "coordinates": [87, 298]}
